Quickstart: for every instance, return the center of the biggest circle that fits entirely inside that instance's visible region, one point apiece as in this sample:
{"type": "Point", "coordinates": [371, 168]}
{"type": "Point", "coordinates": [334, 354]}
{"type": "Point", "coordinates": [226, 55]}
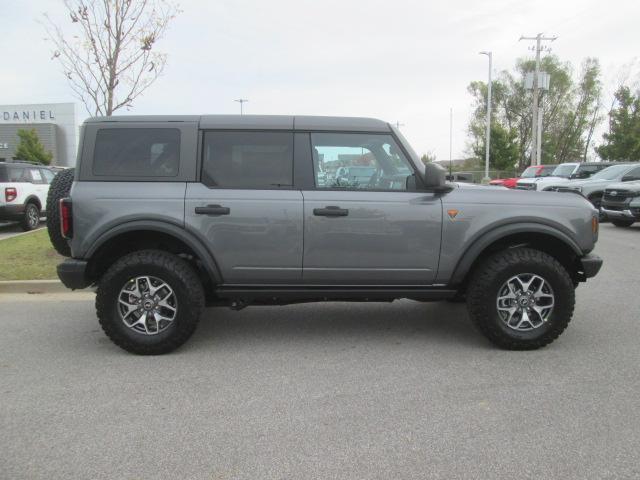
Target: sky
{"type": "Point", "coordinates": [401, 61]}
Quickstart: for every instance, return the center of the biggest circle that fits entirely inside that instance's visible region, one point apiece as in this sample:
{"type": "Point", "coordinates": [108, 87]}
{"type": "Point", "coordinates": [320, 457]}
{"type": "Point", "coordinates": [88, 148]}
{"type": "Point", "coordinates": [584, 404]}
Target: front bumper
{"type": "Point", "coordinates": [590, 265]}
{"type": "Point", "coordinates": [625, 214]}
{"type": "Point", "coordinates": [73, 273]}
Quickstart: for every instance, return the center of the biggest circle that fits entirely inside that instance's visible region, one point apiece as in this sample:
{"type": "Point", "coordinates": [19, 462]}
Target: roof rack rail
{"type": "Point", "coordinates": [28, 162]}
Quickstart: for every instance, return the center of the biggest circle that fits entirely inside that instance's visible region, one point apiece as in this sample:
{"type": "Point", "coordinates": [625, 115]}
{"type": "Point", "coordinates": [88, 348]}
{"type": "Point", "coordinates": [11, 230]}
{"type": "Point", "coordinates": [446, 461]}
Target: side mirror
{"type": "Point", "coordinates": [434, 177]}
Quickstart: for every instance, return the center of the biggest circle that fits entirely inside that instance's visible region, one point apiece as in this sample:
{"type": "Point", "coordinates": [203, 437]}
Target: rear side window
{"type": "Point", "coordinates": [259, 160]}
{"type": "Point", "coordinates": [137, 152]}
{"type": "Point", "coordinates": [13, 174]}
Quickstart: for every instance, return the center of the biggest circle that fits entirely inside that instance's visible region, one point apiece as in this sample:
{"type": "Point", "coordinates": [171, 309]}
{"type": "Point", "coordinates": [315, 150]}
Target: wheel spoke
{"type": "Point", "coordinates": [155, 301]}
{"type": "Point", "coordinates": [525, 301]}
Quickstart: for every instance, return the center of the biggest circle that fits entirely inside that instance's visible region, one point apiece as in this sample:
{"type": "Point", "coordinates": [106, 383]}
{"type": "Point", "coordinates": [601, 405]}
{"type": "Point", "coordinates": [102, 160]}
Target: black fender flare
{"type": "Point", "coordinates": [484, 240]}
{"type": "Point", "coordinates": [180, 233]}
{"type": "Point", "coordinates": [33, 199]}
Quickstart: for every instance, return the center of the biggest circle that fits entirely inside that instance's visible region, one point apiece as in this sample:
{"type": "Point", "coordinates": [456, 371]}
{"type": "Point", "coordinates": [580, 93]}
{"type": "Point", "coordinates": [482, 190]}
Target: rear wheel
{"type": "Point", "coordinates": [31, 218]}
{"type": "Point", "coordinates": [623, 223]}
{"type": "Point", "coordinates": [149, 302]}
{"type": "Point", "coordinates": [521, 299]}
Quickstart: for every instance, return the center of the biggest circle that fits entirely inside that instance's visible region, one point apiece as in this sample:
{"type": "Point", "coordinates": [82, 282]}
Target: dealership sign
{"type": "Point", "coordinates": [27, 115]}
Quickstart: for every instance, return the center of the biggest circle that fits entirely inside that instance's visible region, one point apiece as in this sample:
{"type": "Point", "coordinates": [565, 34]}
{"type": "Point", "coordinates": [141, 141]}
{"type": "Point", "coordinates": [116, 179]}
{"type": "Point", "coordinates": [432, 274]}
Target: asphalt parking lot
{"type": "Point", "coordinates": [389, 391]}
{"type": "Point", "coordinates": [11, 229]}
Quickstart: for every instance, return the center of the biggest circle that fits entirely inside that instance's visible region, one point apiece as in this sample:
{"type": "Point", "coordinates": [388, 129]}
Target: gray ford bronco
{"type": "Point", "coordinates": [166, 215]}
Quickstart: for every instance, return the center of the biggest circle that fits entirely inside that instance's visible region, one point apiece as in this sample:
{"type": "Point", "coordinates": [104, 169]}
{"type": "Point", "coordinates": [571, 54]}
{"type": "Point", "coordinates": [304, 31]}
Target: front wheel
{"type": "Point", "coordinates": [622, 223]}
{"type": "Point", "coordinates": [149, 302]}
{"type": "Point", "coordinates": [521, 299]}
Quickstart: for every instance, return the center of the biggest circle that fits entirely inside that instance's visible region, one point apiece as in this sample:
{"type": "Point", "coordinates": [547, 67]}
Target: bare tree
{"type": "Point", "coordinates": [108, 54]}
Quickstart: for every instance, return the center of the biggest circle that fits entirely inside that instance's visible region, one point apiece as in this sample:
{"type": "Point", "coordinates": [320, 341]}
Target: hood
{"type": "Point", "coordinates": [624, 186]}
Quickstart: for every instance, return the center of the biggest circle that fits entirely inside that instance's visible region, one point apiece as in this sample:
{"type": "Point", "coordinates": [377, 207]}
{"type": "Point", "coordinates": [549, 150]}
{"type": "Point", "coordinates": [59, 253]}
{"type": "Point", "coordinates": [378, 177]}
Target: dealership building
{"type": "Point", "coordinates": [55, 123]}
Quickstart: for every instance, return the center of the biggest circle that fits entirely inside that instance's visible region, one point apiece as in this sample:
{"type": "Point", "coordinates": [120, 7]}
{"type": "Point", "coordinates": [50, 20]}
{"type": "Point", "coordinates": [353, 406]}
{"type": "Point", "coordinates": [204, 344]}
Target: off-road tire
{"type": "Point", "coordinates": [59, 188]}
{"type": "Point", "coordinates": [489, 277]}
{"type": "Point", "coordinates": [31, 217]}
{"type": "Point", "coordinates": [172, 269]}
{"type": "Point", "coordinates": [623, 223]}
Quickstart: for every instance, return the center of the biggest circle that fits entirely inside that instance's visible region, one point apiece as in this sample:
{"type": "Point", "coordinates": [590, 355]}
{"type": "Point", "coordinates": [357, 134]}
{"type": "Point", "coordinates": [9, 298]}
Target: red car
{"type": "Point", "coordinates": [530, 172]}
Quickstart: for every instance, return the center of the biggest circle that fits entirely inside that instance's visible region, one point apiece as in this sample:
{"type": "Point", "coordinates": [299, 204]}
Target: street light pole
{"type": "Point", "coordinates": [241, 101]}
{"type": "Point", "coordinates": [486, 178]}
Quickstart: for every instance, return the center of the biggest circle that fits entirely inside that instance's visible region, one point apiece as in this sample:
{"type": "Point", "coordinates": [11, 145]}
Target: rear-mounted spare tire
{"type": "Point", "coordinates": [59, 188]}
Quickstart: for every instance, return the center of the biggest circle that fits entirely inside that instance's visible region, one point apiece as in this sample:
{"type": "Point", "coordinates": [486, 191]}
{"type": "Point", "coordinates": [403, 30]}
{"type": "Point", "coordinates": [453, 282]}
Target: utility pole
{"type": "Point", "coordinates": [241, 101]}
{"type": "Point", "coordinates": [451, 144]}
{"type": "Point", "coordinates": [486, 178]}
{"type": "Point", "coordinates": [398, 125]}
{"type": "Point", "coordinates": [536, 153]}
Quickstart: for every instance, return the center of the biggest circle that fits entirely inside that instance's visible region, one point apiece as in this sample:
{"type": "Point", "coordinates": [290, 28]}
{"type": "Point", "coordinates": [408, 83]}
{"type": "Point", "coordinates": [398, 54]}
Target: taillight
{"type": "Point", "coordinates": [66, 218]}
{"type": "Point", "coordinates": [10, 194]}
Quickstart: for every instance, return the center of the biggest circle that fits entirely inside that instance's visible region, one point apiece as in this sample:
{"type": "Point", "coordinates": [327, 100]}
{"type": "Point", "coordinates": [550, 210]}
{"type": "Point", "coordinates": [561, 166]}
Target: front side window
{"type": "Point", "coordinates": [137, 152]}
{"type": "Point", "coordinates": [359, 161]}
{"type": "Point", "coordinates": [255, 160]}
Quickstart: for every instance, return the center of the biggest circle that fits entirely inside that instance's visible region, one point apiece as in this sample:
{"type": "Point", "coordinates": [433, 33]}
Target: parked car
{"type": "Point", "coordinates": [563, 173]}
{"type": "Point", "coordinates": [354, 175]}
{"type": "Point", "coordinates": [24, 187]}
{"type": "Point", "coordinates": [593, 187]}
{"type": "Point", "coordinates": [168, 214]}
{"type": "Point", "coordinates": [621, 203]}
{"type": "Point", "coordinates": [534, 171]}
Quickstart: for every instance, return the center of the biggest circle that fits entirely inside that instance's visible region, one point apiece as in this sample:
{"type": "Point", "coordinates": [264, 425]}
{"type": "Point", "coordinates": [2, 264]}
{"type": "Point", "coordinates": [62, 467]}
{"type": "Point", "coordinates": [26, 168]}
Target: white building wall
{"type": "Point", "coordinates": [62, 115]}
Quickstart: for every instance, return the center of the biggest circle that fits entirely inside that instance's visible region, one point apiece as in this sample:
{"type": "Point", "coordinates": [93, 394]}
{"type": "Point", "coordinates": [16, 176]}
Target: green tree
{"type": "Point", "coordinates": [623, 140]}
{"type": "Point", "coordinates": [30, 148]}
{"type": "Point", "coordinates": [569, 109]}
{"type": "Point", "coordinates": [503, 149]}
{"type": "Point", "coordinates": [428, 157]}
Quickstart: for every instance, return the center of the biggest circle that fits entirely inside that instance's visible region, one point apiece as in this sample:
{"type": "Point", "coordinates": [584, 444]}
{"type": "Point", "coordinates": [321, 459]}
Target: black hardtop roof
{"type": "Point", "coordinates": [258, 122]}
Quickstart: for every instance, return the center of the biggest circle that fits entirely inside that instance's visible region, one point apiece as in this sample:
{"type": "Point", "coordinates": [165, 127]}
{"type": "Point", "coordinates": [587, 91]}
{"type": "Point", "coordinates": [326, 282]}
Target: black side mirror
{"type": "Point", "coordinates": [435, 177]}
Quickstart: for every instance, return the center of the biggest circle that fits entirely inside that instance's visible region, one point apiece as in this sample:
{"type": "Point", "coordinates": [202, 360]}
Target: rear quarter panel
{"type": "Point", "coordinates": [100, 206]}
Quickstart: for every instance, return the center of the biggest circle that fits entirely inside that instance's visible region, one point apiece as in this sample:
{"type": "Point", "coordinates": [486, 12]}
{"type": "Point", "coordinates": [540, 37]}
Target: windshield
{"type": "Point", "coordinates": [611, 173]}
{"type": "Point", "coordinates": [563, 170]}
{"type": "Point", "coordinates": [530, 172]}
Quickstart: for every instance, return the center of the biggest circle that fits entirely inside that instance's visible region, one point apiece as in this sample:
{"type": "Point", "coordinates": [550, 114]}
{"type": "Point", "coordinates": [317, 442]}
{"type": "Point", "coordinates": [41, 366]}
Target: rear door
{"type": "Point", "coordinates": [40, 185]}
{"type": "Point", "coordinates": [245, 207]}
{"type": "Point", "coordinates": [372, 229]}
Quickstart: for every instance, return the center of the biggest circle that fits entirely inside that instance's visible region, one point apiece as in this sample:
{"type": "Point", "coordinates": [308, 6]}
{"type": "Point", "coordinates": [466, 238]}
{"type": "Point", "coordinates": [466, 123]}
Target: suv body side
{"type": "Point", "coordinates": [288, 235]}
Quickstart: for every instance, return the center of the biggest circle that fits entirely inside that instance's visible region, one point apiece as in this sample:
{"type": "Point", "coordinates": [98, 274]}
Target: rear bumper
{"type": "Point", "coordinates": [591, 265]}
{"type": "Point", "coordinates": [11, 212]}
{"type": "Point", "coordinates": [73, 273]}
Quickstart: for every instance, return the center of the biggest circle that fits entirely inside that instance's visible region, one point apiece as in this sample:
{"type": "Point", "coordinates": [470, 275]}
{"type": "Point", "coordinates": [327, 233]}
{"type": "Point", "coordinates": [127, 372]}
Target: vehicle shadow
{"type": "Point", "coordinates": [435, 323]}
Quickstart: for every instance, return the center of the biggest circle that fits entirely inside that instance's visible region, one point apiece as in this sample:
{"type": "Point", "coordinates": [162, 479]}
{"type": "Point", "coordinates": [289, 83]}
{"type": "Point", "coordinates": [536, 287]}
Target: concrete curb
{"type": "Point", "coordinates": [35, 286]}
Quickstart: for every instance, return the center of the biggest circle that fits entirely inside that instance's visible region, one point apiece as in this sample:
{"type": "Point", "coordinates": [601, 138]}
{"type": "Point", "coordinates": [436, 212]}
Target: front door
{"type": "Point", "coordinates": [363, 225]}
{"type": "Point", "coordinates": [245, 208]}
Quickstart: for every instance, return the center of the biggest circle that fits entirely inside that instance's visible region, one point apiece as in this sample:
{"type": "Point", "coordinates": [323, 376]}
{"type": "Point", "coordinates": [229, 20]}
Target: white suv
{"type": "Point", "coordinates": [23, 192]}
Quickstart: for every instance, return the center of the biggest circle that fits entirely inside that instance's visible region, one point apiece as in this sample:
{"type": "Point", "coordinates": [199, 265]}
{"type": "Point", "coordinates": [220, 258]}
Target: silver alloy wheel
{"type": "Point", "coordinates": [32, 216]}
{"type": "Point", "coordinates": [525, 302]}
{"type": "Point", "coordinates": [147, 305]}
